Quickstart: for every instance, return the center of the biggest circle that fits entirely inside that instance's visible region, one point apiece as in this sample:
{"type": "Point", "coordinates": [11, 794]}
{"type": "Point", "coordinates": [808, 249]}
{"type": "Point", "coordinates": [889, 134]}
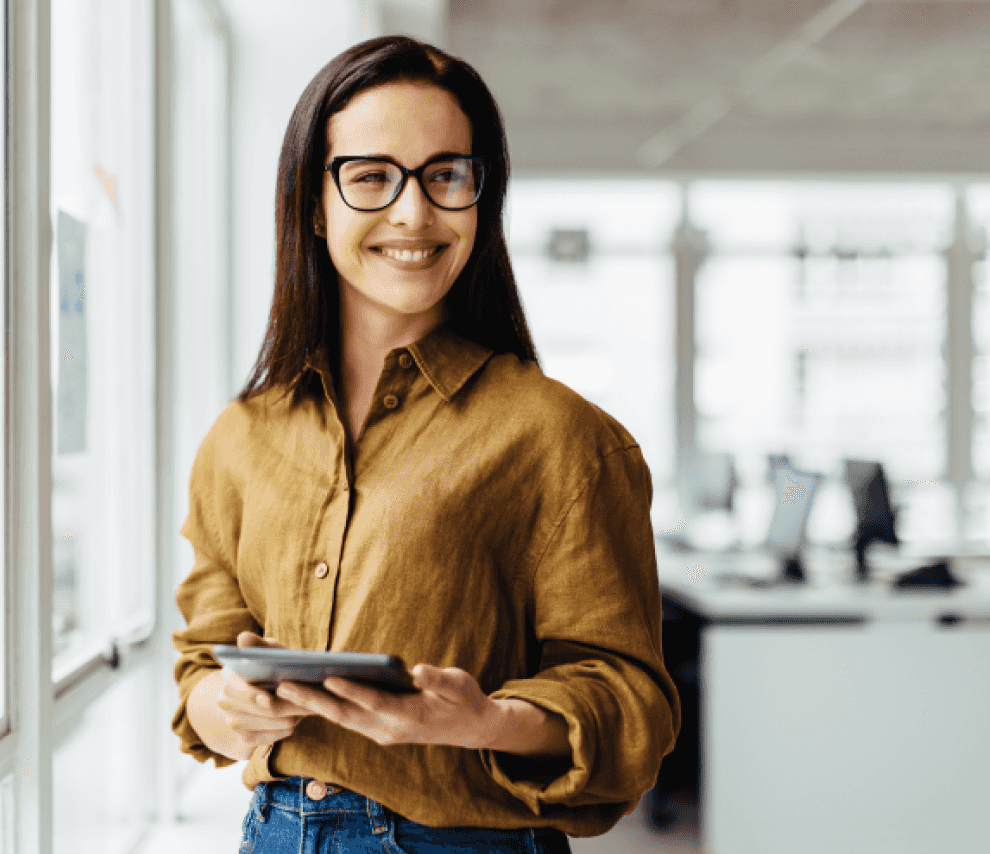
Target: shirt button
{"type": "Point", "coordinates": [321, 571]}
{"type": "Point", "coordinates": [314, 788]}
{"type": "Point", "coordinates": [390, 401]}
{"type": "Point", "coordinates": [405, 360]}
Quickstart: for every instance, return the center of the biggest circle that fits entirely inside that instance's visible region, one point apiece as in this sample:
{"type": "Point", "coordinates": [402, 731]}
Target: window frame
{"type": "Point", "coordinates": [42, 706]}
{"type": "Point", "coordinates": [27, 745]}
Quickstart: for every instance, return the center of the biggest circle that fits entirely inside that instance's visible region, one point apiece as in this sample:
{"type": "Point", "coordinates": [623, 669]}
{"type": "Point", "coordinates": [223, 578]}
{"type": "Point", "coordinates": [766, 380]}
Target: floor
{"type": "Point", "coordinates": [215, 801]}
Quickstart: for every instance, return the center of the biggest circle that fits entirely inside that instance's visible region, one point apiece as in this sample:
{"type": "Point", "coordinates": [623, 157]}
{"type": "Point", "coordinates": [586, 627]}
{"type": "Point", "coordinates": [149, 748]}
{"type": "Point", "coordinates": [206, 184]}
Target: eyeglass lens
{"type": "Point", "coordinates": [372, 184]}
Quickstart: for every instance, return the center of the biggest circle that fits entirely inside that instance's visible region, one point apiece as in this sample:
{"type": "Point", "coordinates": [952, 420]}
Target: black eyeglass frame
{"type": "Point", "coordinates": [333, 167]}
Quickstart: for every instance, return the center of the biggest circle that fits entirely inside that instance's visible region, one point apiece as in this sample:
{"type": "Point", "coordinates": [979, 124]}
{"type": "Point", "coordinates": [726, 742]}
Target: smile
{"type": "Point", "coordinates": [407, 257]}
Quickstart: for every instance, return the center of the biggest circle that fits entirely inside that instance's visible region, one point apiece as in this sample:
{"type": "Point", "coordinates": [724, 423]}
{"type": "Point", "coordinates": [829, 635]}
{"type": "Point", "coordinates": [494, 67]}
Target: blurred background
{"type": "Point", "coordinates": [754, 231]}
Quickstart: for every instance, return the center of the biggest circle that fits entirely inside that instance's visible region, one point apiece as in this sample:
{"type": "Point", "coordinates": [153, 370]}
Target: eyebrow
{"type": "Point", "coordinates": [431, 157]}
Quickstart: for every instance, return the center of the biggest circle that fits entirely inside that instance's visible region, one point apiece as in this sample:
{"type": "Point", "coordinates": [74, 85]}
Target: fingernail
{"type": "Point", "coordinates": [264, 700]}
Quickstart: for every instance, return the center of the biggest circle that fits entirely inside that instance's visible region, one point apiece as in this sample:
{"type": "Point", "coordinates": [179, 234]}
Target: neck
{"type": "Point", "coordinates": [368, 333]}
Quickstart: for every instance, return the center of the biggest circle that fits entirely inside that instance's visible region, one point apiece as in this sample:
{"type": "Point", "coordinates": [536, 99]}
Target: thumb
{"type": "Point", "coordinates": [247, 638]}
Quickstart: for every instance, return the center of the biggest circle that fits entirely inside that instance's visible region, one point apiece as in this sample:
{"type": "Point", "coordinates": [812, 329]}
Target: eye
{"type": "Point", "coordinates": [369, 178]}
{"type": "Point", "coordinates": [449, 175]}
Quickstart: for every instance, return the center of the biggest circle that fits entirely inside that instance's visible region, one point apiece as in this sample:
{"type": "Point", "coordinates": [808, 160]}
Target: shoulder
{"type": "Point", "coordinates": [550, 412]}
{"type": "Point", "coordinates": [242, 425]}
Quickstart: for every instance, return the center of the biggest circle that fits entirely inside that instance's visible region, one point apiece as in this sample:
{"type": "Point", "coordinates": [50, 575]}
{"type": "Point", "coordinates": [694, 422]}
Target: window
{"type": "Point", "coordinates": [5, 574]}
{"type": "Point", "coordinates": [102, 324]}
{"type": "Point", "coordinates": [102, 352]}
{"type": "Point", "coordinates": [821, 318]}
{"type": "Point", "coordinates": [200, 279]}
{"type": "Point", "coordinates": [978, 205]}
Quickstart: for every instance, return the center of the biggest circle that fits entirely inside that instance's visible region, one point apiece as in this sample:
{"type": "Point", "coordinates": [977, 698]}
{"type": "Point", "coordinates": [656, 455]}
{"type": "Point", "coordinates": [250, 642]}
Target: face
{"type": "Point", "coordinates": [410, 123]}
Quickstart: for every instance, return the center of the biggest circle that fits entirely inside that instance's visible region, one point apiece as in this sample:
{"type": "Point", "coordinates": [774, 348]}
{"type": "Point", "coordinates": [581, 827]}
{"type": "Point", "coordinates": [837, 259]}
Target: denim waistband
{"type": "Point", "coordinates": [295, 793]}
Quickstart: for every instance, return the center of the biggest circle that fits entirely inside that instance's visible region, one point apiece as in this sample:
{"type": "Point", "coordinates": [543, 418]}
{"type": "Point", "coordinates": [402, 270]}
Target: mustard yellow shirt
{"type": "Point", "coordinates": [488, 518]}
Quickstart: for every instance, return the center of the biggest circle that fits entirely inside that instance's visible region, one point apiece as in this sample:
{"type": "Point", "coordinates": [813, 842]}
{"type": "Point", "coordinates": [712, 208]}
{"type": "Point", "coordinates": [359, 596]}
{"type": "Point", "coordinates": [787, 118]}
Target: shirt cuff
{"type": "Point", "coordinates": [259, 768]}
{"type": "Point", "coordinates": [537, 780]}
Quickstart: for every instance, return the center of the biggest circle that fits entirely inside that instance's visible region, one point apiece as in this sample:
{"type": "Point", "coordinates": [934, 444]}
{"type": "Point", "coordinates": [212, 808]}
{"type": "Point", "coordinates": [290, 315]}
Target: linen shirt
{"type": "Point", "coordinates": [486, 517]}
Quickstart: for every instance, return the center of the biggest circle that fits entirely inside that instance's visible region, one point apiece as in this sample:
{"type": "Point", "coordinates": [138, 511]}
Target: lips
{"type": "Point", "coordinates": [413, 257]}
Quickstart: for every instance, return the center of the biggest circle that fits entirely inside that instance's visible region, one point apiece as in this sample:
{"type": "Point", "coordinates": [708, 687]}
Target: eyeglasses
{"type": "Point", "coordinates": [373, 183]}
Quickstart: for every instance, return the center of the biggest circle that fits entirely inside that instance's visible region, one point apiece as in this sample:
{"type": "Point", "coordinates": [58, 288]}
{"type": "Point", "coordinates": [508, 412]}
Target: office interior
{"type": "Point", "coordinates": [753, 231]}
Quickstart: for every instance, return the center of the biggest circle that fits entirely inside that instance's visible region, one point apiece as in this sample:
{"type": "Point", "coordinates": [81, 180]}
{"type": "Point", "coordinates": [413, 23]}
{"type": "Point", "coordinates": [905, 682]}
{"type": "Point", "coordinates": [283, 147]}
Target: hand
{"type": "Point", "coordinates": [449, 709]}
{"type": "Point", "coordinates": [251, 715]}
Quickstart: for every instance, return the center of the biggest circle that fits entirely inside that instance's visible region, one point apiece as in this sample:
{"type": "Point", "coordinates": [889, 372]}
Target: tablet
{"type": "Point", "coordinates": [267, 666]}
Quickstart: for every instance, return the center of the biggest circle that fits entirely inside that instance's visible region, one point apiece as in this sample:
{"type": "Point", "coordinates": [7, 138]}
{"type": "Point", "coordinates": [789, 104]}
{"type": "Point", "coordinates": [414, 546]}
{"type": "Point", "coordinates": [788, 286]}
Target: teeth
{"type": "Point", "coordinates": [406, 254]}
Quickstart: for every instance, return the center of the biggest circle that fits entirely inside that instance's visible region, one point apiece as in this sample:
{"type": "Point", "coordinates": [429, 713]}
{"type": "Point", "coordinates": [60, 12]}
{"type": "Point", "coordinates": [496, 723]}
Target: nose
{"type": "Point", "coordinates": [411, 208]}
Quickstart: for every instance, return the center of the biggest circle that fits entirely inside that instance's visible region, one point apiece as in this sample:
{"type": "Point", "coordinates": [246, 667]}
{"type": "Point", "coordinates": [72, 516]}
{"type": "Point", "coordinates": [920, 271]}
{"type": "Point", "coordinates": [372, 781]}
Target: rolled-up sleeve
{"type": "Point", "coordinates": [596, 609]}
{"type": "Point", "coordinates": [209, 597]}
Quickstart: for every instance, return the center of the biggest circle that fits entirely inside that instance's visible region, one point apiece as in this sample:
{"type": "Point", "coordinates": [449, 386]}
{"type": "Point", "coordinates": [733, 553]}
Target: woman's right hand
{"type": "Point", "coordinates": [234, 717]}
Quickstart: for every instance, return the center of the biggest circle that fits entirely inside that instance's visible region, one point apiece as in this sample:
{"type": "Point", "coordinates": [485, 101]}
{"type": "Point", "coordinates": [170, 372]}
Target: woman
{"type": "Point", "coordinates": [406, 480]}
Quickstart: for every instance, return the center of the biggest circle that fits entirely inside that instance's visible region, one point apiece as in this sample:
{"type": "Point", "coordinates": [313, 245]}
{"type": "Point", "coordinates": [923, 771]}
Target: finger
{"type": "Point", "coordinates": [423, 675]}
{"type": "Point", "coordinates": [313, 701]}
{"type": "Point", "coordinates": [361, 695]}
{"type": "Point", "coordinates": [238, 694]}
{"type": "Point", "coordinates": [428, 677]}
{"type": "Point", "coordinates": [259, 701]}
{"type": "Point", "coordinates": [247, 722]}
{"type": "Point", "coordinates": [295, 693]}
{"type": "Point", "coordinates": [285, 708]}
{"type": "Point", "coordinates": [247, 638]}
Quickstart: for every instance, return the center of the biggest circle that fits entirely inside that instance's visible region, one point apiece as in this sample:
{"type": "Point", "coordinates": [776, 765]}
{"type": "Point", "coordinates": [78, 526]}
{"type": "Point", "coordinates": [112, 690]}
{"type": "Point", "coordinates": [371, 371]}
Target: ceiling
{"type": "Point", "coordinates": [688, 87]}
{"type": "Point", "coordinates": [735, 86]}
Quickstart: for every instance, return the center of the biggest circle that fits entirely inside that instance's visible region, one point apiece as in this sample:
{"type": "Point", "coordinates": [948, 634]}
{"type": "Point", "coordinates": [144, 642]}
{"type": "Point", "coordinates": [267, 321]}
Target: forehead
{"type": "Point", "coordinates": [409, 121]}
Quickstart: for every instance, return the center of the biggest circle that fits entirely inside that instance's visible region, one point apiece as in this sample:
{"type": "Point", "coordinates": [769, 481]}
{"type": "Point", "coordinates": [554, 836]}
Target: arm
{"type": "Point", "coordinates": [215, 612]}
{"type": "Point", "coordinates": [525, 729]}
{"type": "Point", "coordinates": [209, 597]}
{"type": "Point", "coordinates": [597, 620]}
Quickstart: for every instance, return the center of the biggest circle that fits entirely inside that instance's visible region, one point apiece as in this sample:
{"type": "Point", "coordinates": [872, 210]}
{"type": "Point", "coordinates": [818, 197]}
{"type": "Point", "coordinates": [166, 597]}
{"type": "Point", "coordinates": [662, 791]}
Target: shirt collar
{"type": "Point", "coordinates": [444, 358]}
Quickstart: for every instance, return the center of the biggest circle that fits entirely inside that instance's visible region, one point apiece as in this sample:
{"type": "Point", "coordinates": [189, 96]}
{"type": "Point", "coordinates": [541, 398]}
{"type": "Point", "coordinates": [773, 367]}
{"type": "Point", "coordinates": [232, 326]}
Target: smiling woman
{"type": "Point", "coordinates": [399, 476]}
{"type": "Point", "coordinates": [397, 261]}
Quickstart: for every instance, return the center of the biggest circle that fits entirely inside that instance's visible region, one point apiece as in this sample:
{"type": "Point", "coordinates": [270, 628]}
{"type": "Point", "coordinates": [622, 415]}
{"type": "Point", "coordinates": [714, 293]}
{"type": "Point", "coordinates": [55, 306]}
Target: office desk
{"type": "Point", "coordinates": [834, 718]}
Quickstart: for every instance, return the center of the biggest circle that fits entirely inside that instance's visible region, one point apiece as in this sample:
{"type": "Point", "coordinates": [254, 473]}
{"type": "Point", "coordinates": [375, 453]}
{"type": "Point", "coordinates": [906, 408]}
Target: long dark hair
{"type": "Point", "coordinates": [482, 305]}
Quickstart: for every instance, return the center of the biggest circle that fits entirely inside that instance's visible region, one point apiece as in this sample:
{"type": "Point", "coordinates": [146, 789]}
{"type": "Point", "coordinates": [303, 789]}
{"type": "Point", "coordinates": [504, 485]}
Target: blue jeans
{"type": "Point", "coordinates": [282, 818]}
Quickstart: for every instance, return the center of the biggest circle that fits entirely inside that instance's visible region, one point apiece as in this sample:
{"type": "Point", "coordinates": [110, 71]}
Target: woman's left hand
{"type": "Point", "coordinates": [450, 708]}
